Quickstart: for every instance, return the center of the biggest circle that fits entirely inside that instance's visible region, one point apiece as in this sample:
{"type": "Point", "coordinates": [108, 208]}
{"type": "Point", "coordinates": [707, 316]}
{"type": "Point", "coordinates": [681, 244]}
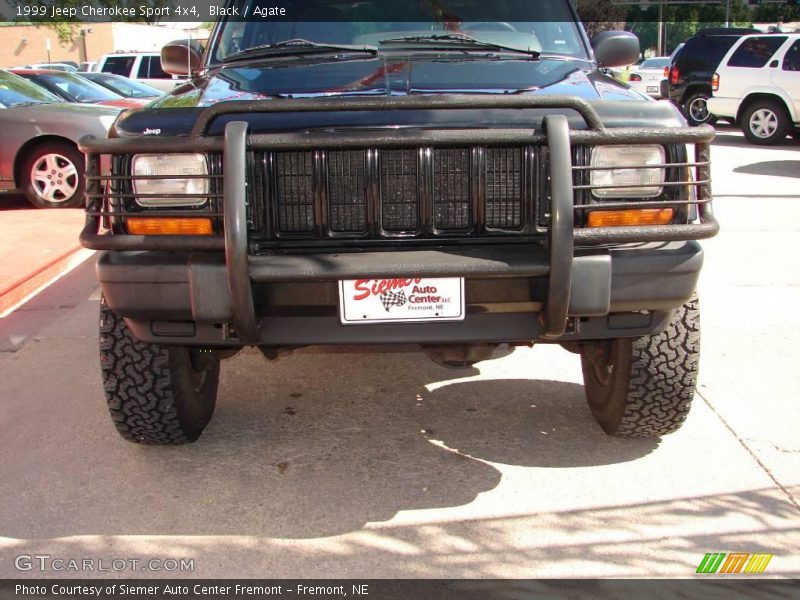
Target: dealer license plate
{"type": "Point", "coordinates": [410, 300]}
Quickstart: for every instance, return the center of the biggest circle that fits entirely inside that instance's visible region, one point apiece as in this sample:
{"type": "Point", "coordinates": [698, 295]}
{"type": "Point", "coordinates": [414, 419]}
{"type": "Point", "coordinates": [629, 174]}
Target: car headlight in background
{"type": "Point", "coordinates": [171, 167]}
{"type": "Point", "coordinates": [648, 182]}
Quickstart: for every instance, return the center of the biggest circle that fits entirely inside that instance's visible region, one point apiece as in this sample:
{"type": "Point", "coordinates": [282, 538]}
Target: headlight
{"type": "Point", "coordinates": [171, 167]}
{"type": "Point", "coordinates": [648, 182]}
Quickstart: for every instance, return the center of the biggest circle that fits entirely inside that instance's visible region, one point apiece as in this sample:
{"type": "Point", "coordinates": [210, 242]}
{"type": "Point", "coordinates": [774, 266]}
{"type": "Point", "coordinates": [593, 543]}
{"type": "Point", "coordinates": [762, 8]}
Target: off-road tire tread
{"type": "Point", "coordinates": [663, 377]}
{"type": "Point", "coordinates": [653, 384]}
{"type": "Point", "coordinates": [145, 396]}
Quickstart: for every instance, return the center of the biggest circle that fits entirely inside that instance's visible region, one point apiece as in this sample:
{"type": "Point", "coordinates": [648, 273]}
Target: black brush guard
{"type": "Point", "coordinates": [562, 236]}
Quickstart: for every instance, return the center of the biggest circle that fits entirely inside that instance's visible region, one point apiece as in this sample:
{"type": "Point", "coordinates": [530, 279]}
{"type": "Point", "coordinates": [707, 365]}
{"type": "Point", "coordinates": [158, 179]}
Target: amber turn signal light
{"type": "Point", "coordinates": [159, 226]}
{"type": "Point", "coordinates": [623, 218]}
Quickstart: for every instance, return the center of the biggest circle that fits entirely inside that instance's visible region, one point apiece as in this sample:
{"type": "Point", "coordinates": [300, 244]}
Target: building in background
{"type": "Point", "coordinates": [28, 44]}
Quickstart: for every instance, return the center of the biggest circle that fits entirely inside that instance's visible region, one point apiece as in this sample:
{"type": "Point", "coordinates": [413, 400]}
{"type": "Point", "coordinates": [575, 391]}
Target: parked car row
{"type": "Point", "coordinates": [43, 114]}
{"type": "Point", "coordinates": [742, 75]}
{"type": "Point", "coordinates": [45, 108]}
{"type": "Point", "coordinates": [144, 67]}
{"type": "Point", "coordinates": [73, 87]}
{"type": "Point", "coordinates": [690, 72]}
{"type": "Point", "coordinates": [757, 84]}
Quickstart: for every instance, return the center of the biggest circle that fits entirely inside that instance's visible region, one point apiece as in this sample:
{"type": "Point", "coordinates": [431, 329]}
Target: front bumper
{"type": "Point", "coordinates": [182, 297]}
{"type": "Point", "coordinates": [211, 291]}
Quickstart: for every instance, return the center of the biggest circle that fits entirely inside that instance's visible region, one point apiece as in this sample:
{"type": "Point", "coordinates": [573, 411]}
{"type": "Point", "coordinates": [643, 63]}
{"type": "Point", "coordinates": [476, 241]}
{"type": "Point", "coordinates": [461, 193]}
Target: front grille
{"type": "Point", "coordinates": [504, 188]}
{"type": "Point", "coordinates": [399, 190]}
{"type": "Point", "coordinates": [451, 188]}
{"type": "Point", "coordinates": [392, 193]}
{"type": "Point", "coordinates": [347, 195]}
{"type": "Point", "coordinates": [295, 192]}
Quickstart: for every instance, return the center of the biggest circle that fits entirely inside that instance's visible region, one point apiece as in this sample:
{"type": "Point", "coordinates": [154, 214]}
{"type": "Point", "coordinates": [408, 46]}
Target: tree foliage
{"type": "Point", "coordinates": [66, 29]}
{"type": "Point", "coordinates": [682, 22]}
{"type": "Point", "coordinates": [600, 15]}
{"type": "Point", "coordinates": [776, 13]}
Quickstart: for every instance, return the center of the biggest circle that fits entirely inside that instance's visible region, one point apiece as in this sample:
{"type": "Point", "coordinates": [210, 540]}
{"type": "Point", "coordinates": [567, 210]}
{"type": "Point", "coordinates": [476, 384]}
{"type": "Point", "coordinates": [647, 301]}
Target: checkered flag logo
{"type": "Point", "coordinates": [390, 299]}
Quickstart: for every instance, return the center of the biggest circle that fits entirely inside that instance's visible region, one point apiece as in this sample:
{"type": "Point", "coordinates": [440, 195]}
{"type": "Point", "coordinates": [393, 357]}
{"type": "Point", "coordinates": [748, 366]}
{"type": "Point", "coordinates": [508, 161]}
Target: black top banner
{"type": "Point", "coordinates": [459, 11]}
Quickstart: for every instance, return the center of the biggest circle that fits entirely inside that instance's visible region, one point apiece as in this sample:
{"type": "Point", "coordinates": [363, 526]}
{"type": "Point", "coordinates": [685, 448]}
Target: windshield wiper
{"type": "Point", "coordinates": [298, 46]}
{"type": "Point", "coordinates": [459, 39]}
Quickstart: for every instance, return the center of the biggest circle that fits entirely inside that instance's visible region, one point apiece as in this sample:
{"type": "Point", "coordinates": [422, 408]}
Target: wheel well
{"type": "Point", "coordinates": [752, 98]}
{"type": "Point", "coordinates": [693, 89]}
{"type": "Point", "coordinates": [30, 145]}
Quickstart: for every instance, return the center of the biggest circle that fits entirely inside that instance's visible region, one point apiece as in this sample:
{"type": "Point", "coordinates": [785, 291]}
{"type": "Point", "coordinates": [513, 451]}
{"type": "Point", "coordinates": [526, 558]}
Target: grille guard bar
{"type": "Point", "coordinates": [559, 138]}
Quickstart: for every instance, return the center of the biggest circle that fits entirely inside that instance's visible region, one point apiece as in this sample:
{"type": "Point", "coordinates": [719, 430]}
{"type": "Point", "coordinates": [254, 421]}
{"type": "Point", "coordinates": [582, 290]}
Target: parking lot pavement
{"type": "Point", "coordinates": [30, 260]}
{"type": "Point", "coordinates": [751, 291]}
{"type": "Point", "coordinates": [361, 464]}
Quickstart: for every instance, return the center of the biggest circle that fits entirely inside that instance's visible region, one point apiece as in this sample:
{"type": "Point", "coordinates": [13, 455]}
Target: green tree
{"type": "Point", "coordinates": [66, 30]}
{"type": "Point", "coordinates": [600, 15]}
{"type": "Point", "coordinates": [776, 13]}
{"type": "Point", "coordinates": [682, 22]}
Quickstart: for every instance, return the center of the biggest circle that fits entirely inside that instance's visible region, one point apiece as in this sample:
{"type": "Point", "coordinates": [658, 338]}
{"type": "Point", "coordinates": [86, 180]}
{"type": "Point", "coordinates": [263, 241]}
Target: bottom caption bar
{"type": "Point", "coordinates": [387, 589]}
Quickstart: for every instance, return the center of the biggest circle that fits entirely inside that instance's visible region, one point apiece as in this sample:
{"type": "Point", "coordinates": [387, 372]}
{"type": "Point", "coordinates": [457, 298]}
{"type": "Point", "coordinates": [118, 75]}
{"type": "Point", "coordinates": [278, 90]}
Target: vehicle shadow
{"type": "Point", "coordinates": [14, 201]}
{"type": "Point", "coordinates": [317, 445]}
{"type": "Point", "coordinates": [734, 138]}
{"type": "Point", "coordinates": [776, 168]}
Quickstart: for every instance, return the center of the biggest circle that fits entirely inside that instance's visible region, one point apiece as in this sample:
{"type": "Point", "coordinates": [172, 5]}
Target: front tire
{"type": "Point", "coordinates": [52, 176]}
{"type": "Point", "coordinates": [643, 387]}
{"type": "Point", "coordinates": [156, 394]}
{"type": "Point", "coordinates": [765, 122]}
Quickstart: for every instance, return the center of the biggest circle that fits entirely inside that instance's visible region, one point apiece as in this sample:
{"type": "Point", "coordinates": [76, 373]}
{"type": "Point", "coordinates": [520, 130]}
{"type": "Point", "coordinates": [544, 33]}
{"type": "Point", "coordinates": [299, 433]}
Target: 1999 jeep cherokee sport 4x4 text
{"type": "Point", "coordinates": [405, 172]}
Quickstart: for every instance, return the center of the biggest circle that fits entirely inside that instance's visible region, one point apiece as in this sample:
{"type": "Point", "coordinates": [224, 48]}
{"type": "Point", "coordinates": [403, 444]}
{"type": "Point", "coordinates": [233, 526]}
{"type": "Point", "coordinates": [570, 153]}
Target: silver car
{"type": "Point", "coordinates": [39, 136]}
{"type": "Point", "coordinates": [647, 76]}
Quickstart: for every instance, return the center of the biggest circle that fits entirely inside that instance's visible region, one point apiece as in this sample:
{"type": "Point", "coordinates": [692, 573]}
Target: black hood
{"type": "Point", "coordinates": [379, 76]}
{"type": "Point", "coordinates": [401, 76]}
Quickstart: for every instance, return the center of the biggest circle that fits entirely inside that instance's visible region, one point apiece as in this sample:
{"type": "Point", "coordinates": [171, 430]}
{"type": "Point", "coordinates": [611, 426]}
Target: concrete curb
{"type": "Point", "coordinates": [28, 285]}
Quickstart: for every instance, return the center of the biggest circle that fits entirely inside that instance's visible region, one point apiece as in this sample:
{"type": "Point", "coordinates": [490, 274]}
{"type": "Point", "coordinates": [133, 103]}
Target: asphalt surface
{"type": "Point", "coordinates": [364, 464]}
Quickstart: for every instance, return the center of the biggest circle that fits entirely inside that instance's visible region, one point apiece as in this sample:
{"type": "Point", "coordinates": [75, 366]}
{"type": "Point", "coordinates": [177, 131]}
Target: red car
{"type": "Point", "coordinates": [74, 88]}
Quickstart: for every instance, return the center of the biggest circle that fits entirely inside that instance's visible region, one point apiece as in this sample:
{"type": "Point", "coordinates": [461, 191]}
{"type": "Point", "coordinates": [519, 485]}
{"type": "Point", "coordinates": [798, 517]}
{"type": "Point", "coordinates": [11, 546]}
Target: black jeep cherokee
{"type": "Point", "coordinates": [391, 173]}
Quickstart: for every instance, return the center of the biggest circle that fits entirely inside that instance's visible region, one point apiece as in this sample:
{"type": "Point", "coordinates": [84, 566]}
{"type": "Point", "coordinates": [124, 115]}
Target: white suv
{"type": "Point", "coordinates": [757, 83]}
{"type": "Point", "coordinates": [141, 66]}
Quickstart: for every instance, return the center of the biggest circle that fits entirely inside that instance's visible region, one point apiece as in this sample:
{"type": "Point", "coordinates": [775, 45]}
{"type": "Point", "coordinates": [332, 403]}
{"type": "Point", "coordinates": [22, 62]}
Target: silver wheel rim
{"type": "Point", "coordinates": [763, 123]}
{"type": "Point", "coordinates": [698, 109]}
{"type": "Point", "coordinates": [54, 178]}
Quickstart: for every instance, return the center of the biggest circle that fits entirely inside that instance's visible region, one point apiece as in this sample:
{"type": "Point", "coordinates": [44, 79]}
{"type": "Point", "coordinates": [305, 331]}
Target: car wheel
{"type": "Point", "coordinates": [156, 394]}
{"type": "Point", "coordinates": [765, 122]}
{"type": "Point", "coordinates": [52, 176]}
{"type": "Point", "coordinates": [696, 109]}
{"type": "Point", "coordinates": [643, 387]}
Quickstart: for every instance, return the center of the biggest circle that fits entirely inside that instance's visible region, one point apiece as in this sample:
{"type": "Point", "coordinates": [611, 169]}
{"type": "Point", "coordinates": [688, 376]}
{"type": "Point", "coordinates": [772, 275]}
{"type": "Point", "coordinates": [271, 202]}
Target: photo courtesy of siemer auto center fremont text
{"type": "Point", "coordinates": [399, 299]}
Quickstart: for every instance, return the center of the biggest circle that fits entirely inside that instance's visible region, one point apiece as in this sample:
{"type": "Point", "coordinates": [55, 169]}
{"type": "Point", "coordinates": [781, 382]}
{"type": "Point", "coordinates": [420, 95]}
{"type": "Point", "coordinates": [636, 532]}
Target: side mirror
{"type": "Point", "coordinates": [182, 57]}
{"type": "Point", "coordinates": [615, 48]}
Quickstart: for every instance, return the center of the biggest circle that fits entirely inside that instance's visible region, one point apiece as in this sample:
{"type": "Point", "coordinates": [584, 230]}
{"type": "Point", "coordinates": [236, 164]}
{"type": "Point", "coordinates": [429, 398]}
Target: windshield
{"type": "Point", "coordinates": [15, 91]}
{"type": "Point", "coordinates": [129, 88]}
{"type": "Point", "coordinates": [544, 26]}
{"type": "Point", "coordinates": [79, 88]}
